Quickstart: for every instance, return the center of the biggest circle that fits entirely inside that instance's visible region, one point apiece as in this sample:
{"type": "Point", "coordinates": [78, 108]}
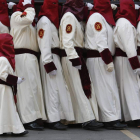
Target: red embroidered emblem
{"type": "Point", "coordinates": [98, 26]}
{"type": "Point", "coordinates": [41, 33]}
{"type": "Point", "coordinates": [69, 28]}
{"type": "Point", "coordinates": [23, 14]}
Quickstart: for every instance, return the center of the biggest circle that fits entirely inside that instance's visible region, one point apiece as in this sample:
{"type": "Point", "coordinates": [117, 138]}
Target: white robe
{"type": "Point", "coordinates": [3, 28]}
{"type": "Point", "coordinates": [104, 82]}
{"type": "Point", "coordinates": [125, 37]}
{"type": "Point", "coordinates": [9, 118]}
{"type": "Point", "coordinates": [30, 98]}
{"type": "Point", "coordinates": [57, 97]}
{"type": "Point", "coordinates": [84, 109]}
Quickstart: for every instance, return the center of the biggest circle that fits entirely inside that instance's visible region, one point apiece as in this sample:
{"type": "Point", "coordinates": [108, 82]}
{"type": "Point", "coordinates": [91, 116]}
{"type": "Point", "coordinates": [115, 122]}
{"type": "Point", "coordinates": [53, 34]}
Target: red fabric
{"type": "Point", "coordinates": [7, 48]}
{"type": "Point", "coordinates": [134, 61]}
{"type": "Point", "coordinates": [12, 80]}
{"type": "Point", "coordinates": [119, 52]}
{"type": "Point", "coordinates": [106, 56]}
{"type": "Point", "coordinates": [50, 67]}
{"type": "Point", "coordinates": [104, 8]}
{"type": "Point", "coordinates": [76, 7]}
{"type": "Point", "coordinates": [76, 61]}
{"type": "Point", "coordinates": [127, 10]}
{"type": "Point", "coordinates": [4, 18]}
{"type": "Point", "coordinates": [50, 9]}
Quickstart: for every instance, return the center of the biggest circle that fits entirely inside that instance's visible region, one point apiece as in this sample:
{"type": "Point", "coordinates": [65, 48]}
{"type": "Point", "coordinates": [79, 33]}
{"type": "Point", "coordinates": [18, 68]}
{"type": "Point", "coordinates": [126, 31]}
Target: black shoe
{"type": "Point", "coordinates": [33, 126]}
{"type": "Point", "coordinates": [20, 134]}
{"type": "Point", "coordinates": [57, 126]}
{"type": "Point", "coordinates": [4, 134]}
{"type": "Point", "coordinates": [137, 122]}
{"type": "Point", "coordinates": [116, 125]}
{"type": "Point", "coordinates": [92, 125]}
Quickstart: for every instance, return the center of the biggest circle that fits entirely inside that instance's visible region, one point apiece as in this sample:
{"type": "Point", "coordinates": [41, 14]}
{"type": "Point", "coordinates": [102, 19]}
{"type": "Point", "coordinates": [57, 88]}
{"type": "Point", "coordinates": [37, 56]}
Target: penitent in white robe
{"type": "Point", "coordinates": [30, 101]}
{"type": "Point", "coordinates": [9, 118]}
{"type": "Point", "coordinates": [57, 97]}
{"type": "Point", "coordinates": [104, 82]}
{"type": "Point", "coordinates": [84, 109]}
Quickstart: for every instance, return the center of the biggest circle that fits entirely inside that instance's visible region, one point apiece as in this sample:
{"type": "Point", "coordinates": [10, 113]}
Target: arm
{"type": "Point", "coordinates": [68, 32]}
{"type": "Point", "coordinates": [45, 41]}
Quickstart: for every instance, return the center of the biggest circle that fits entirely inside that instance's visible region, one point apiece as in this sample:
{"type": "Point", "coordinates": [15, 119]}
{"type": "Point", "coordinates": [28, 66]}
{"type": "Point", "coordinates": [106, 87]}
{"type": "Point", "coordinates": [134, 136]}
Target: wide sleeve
{"type": "Point", "coordinates": [24, 19]}
{"type": "Point", "coordinates": [126, 35]}
{"type": "Point", "coordinates": [5, 74]}
{"type": "Point", "coordinates": [100, 34]}
{"type": "Point", "coordinates": [45, 41]}
{"type": "Point", "coordinates": [68, 34]}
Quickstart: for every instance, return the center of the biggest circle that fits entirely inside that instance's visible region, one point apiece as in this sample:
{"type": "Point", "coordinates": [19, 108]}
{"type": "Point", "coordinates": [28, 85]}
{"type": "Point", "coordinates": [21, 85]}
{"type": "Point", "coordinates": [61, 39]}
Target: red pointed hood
{"type": "Point", "coordinates": [50, 9]}
{"type": "Point", "coordinates": [76, 7]}
{"type": "Point", "coordinates": [7, 48]}
{"type": "Point", "coordinates": [127, 10]}
{"type": "Point", "coordinates": [4, 18]}
{"type": "Point", "coordinates": [104, 8]}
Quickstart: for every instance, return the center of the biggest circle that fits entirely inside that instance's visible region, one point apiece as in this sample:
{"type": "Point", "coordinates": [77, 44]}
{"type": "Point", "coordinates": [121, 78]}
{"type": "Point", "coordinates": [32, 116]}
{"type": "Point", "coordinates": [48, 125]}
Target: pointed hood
{"type": "Point", "coordinates": [76, 7]}
{"type": "Point", "coordinates": [7, 48]}
{"type": "Point", "coordinates": [50, 9]}
{"type": "Point", "coordinates": [127, 10]}
{"type": "Point", "coordinates": [4, 18]}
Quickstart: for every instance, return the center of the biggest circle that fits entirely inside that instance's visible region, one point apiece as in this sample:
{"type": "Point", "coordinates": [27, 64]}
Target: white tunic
{"type": "Point", "coordinates": [3, 28]}
{"type": "Point", "coordinates": [9, 118]}
{"type": "Point", "coordinates": [30, 98]}
{"type": "Point", "coordinates": [84, 109]}
{"type": "Point", "coordinates": [125, 37]}
{"type": "Point", "coordinates": [57, 97]}
{"type": "Point", "coordinates": [104, 82]}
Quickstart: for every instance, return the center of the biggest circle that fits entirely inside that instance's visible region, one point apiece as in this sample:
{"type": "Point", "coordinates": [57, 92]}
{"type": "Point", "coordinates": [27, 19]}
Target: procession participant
{"type": "Point", "coordinates": [30, 97]}
{"type": "Point", "coordinates": [126, 61]}
{"type": "Point", "coordinates": [57, 96]}
{"type": "Point", "coordinates": [9, 118]}
{"type": "Point", "coordinates": [100, 49]}
{"type": "Point", "coordinates": [71, 33]}
{"type": "Point", "coordinates": [4, 18]}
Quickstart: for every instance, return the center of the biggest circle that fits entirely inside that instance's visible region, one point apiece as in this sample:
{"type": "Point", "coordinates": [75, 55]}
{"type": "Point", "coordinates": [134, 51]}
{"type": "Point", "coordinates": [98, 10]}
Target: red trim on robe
{"type": "Point", "coordinates": [106, 56]}
{"type": "Point", "coordinates": [76, 61]}
{"type": "Point", "coordinates": [27, 6]}
{"type": "Point", "coordinates": [50, 67]}
{"type": "Point", "coordinates": [12, 80]}
{"type": "Point", "coordinates": [134, 61]}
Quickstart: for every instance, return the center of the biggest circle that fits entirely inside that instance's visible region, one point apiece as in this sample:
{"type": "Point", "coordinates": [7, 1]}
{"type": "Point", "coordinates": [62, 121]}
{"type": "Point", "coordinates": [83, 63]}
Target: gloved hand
{"type": "Point", "coordinates": [137, 7]}
{"type": "Point", "coordinates": [78, 67]}
{"type": "Point", "coordinates": [53, 73]}
{"type": "Point", "coordinates": [10, 5]}
{"type": "Point", "coordinates": [26, 2]}
{"type": "Point", "coordinates": [110, 67]}
{"type": "Point", "coordinates": [113, 6]}
{"type": "Point", "coordinates": [20, 80]}
{"type": "Point", "coordinates": [89, 5]}
{"type": "Point", "coordinates": [137, 71]}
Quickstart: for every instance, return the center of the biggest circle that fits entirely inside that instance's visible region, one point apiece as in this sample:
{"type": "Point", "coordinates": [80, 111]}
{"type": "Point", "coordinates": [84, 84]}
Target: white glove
{"type": "Point", "coordinates": [113, 6]}
{"type": "Point", "coordinates": [89, 5]}
{"type": "Point", "coordinates": [78, 67]}
{"type": "Point", "coordinates": [110, 67]}
{"type": "Point", "coordinates": [137, 7]}
{"type": "Point", "coordinates": [137, 71]}
{"type": "Point", "coordinates": [10, 5]}
{"type": "Point", "coordinates": [26, 2]}
{"type": "Point", "coordinates": [20, 80]}
{"type": "Point", "coordinates": [53, 73]}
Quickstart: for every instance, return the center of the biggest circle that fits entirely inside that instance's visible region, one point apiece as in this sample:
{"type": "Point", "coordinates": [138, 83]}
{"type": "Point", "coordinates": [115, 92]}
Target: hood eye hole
{"type": "Point", "coordinates": [131, 5]}
{"type": "Point", "coordinates": [54, 3]}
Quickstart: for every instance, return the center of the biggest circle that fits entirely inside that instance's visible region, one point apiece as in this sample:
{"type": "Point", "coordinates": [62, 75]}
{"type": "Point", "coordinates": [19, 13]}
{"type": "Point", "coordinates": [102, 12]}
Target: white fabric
{"type": "Point", "coordinates": [137, 6]}
{"type": "Point", "coordinates": [113, 6]}
{"type": "Point", "coordinates": [30, 98]}
{"type": "Point", "coordinates": [3, 28]}
{"type": "Point", "coordinates": [110, 67]}
{"type": "Point", "coordinates": [84, 109]}
{"type": "Point", "coordinates": [104, 82]}
{"type": "Point", "coordinates": [128, 82]}
{"type": "Point", "coordinates": [57, 97]}
{"type": "Point", "coordinates": [26, 2]}
{"type": "Point", "coordinates": [9, 118]}
{"type": "Point", "coordinates": [137, 71]}
{"type": "Point", "coordinates": [78, 67]}
{"type": "Point", "coordinates": [89, 5]}
{"type": "Point", "coordinates": [10, 5]}
{"type": "Point", "coordinates": [138, 34]}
